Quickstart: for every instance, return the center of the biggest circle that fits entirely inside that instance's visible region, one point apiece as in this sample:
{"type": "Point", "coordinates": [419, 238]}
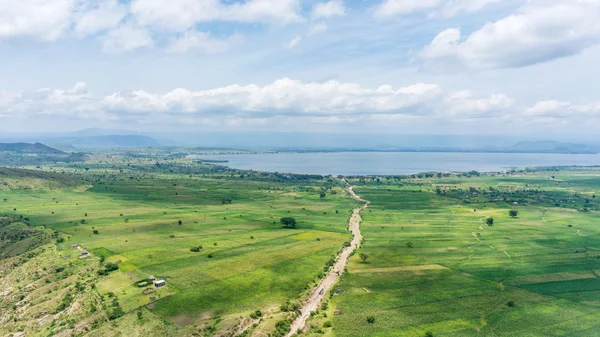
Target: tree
{"type": "Point", "coordinates": [288, 222]}
{"type": "Point", "coordinates": [180, 222]}
{"type": "Point", "coordinates": [364, 257]}
{"type": "Point", "coordinates": [513, 213]}
{"type": "Point", "coordinates": [322, 195]}
{"type": "Point", "coordinates": [370, 319]}
{"type": "Point", "coordinates": [95, 231]}
{"type": "Point", "coordinates": [489, 221]}
{"type": "Point", "coordinates": [409, 244]}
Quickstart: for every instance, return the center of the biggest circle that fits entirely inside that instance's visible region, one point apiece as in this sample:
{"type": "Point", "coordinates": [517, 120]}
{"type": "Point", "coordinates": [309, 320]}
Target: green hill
{"type": "Point", "coordinates": [36, 148]}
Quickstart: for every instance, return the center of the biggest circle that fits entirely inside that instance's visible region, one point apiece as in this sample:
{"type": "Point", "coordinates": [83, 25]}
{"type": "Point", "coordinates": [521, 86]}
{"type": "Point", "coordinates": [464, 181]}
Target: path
{"type": "Point", "coordinates": [322, 289]}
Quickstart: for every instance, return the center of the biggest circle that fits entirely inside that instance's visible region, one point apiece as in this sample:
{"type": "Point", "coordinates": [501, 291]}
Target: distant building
{"type": "Point", "coordinates": [151, 278]}
{"type": "Point", "coordinates": [160, 283]}
{"type": "Point", "coordinates": [84, 252]}
{"type": "Point", "coordinates": [74, 246]}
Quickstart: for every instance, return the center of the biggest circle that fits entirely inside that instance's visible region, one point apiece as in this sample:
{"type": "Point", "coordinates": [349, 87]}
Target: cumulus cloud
{"type": "Point", "coordinates": [446, 8]}
{"type": "Point", "coordinates": [39, 19]}
{"type": "Point", "coordinates": [327, 101]}
{"type": "Point", "coordinates": [50, 20]}
{"type": "Point", "coordinates": [561, 109]}
{"type": "Point", "coordinates": [92, 18]}
{"type": "Point", "coordinates": [324, 10]}
{"type": "Point", "coordinates": [541, 31]}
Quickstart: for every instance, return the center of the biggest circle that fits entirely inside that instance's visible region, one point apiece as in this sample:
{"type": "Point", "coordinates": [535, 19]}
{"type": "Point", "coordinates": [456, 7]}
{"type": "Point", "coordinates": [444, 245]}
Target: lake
{"type": "Point", "coordinates": [397, 163]}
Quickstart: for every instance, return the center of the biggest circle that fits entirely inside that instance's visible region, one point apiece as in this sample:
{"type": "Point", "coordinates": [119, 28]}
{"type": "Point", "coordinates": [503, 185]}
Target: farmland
{"type": "Point", "coordinates": [441, 255]}
{"type": "Point", "coordinates": [147, 223]}
{"type": "Point", "coordinates": [435, 267]}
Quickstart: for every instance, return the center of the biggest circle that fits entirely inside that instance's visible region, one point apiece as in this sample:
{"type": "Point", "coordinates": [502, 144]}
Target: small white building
{"type": "Point", "coordinates": [160, 283]}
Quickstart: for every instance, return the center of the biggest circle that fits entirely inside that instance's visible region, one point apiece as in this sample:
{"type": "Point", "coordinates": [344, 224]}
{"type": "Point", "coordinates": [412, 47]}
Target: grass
{"type": "Point", "coordinates": [544, 262]}
{"type": "Point", "coordinates": [148, 224]}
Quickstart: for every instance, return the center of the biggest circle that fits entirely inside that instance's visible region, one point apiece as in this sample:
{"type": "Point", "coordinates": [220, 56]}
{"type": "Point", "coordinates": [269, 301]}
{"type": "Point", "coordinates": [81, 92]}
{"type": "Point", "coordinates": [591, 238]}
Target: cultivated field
{"type": "Point", "coordinates": [148, 224]}
{"type": "Point", "coordinates": [436, 268]}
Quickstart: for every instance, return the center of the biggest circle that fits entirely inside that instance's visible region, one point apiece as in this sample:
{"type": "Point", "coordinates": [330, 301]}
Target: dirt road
{"type": "Point", "coordinates": [316, 296]}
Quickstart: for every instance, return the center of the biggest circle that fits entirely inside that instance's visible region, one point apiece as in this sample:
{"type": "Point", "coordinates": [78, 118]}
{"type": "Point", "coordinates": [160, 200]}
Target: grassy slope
{"type": "Point", "coordinates": [255, 263]}
{"type": "Point", "coordinates": [549, 270]}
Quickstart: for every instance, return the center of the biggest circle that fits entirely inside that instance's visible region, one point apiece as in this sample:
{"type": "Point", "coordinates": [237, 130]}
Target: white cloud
{"type": "Point", "coordinates": [181, 15]}
{"type": "Point", "coordinates": [445, 8]}
{"type": "Point", "coordinates": [541, 31]}
{"type": "Point", "coordinates": [127, 37]}
{"type": "Point", "coordinates": [293, 43]}
{"type": "Point", "coordinates": [330, 100]}
{"type": "Point", "coordinates": [324, 10]}
{"type": "Point", "coordinates": [317, 28]}
{"type": "Point", "coordinates": [562, 109]}
{"type": "Point", "coordinates": [39, 19]}
{"type": "Point", "coordinates": [203, 42]}
{"type": "Point", "coordinates": [100, 16]}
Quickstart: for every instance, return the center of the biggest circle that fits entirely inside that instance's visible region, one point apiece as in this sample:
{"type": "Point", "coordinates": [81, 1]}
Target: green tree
{"type": "Point", "coordinates": [364, 257]}
{"type": "Point", "coordinates": [489, 221]}
{"type": "Point", "coordinates": [513, 213]}
{"type": "Point", "coordinates": [288, 222]}
{"type": "Point", "coordinates": [322, 195]}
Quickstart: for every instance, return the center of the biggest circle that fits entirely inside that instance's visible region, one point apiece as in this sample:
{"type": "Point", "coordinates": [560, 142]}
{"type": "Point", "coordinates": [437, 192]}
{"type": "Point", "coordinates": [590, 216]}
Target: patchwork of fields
{"type": "Point", "coordinates": [435, 268]}
{"type": "Point", "coordinates": [246, 260]}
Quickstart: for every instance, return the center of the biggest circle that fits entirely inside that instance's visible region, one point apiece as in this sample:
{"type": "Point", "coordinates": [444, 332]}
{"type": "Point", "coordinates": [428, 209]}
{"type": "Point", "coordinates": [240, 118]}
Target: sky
{"type": "Point", "coordinates": [498, 67]}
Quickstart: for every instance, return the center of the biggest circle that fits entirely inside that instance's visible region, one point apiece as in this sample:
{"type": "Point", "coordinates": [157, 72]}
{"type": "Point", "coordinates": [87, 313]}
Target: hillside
{"type": "Point", "coordinates": [36, 148]}
{"type": "Point", "coordinates": [546, 146]}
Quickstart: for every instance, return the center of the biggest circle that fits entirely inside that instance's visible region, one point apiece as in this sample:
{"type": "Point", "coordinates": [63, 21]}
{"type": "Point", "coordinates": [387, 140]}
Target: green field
{"type": "Point", "coordinates": [436, 268]}
{"type": "Point", "coordinates": [148, 223]}
{"type": "Point", "coordinates": [435, 265]}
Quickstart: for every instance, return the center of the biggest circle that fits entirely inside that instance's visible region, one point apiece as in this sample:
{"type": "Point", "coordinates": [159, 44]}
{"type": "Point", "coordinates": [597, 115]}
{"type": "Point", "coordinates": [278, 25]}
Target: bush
{"type": "Point", "coordinates": [511, 304]}
{"type": "Point", "coordinates": [489, 221]}
{"type": "Point", "coordinates": [513, 213]}
{"type": "Point", "coordinates": [196, 249]}
{"type": "Point", "coordinates": [429, 334]}
{"type": "Point", "coordinates": [327, 324]}
{"type": "Point", "coordinates": [288, 222]}
{"type": "Point", "coordinates": [95, 231]}
{"type": "Point", "coordinates": [370, 319]}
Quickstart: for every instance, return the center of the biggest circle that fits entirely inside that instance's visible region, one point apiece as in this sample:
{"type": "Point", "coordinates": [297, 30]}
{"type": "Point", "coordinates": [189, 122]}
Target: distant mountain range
{"type": "Point", "coordinates": [299, 142]}
{"type": "Point", "coordinates": [37, 148]}
{"type": "Point", "coordinates": [106, 141]}
{"type": "Point", "coordinates": [546, 146]}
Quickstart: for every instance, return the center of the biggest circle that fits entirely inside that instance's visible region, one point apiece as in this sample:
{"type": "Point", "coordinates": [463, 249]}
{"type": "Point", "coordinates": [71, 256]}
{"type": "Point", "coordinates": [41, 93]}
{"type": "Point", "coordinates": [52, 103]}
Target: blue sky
{"type": "Point", "coordinates": [394, 66]}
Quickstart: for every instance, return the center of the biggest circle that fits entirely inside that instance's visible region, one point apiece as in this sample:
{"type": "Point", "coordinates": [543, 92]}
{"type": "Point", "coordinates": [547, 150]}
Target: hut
{"type": "Point", "coordinates": [160, 283]}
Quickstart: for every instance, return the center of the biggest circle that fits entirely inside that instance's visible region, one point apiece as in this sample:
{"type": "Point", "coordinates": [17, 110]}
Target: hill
{"type": "Point", "coordinates": [37, 148]}
{"type": "Point", "coordinates": [107, 141]}
{"type": "Point", "coordinates": [546, 146]}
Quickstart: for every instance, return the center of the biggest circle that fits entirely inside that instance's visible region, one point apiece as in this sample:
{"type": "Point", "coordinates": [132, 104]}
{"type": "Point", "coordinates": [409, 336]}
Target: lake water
{"type": "Point", "coordinates": [397, 163]}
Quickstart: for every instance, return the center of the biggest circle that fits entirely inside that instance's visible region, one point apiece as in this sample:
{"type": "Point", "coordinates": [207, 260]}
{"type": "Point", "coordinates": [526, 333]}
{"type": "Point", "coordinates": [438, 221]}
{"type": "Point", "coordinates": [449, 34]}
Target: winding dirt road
{"type": "Point", "coordinates": [316, 296]}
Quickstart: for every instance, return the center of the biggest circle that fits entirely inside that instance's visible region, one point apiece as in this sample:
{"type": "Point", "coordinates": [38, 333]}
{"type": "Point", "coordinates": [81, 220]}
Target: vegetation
{"type": "Point", "coordinates": [143, 217]}
{"type": "Point", "coordinates": [530, 274]}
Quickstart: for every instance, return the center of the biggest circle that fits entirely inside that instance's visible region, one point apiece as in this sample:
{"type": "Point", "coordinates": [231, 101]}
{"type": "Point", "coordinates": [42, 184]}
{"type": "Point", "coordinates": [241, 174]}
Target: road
{"type": "Point", "coordinates": [316, 296]}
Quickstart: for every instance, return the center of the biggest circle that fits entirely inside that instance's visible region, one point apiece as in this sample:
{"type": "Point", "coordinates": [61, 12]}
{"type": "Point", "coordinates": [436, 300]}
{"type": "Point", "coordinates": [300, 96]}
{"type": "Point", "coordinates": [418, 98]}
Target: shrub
{"type": "Point", "coordinates": [489, 221]}
{"type": "Point", "coordinates": [196, 249]}
{"type": "Point", "coordinates": [511, 304]}
{"type": "Point", "coordinates": [513, 213]}
{"type": "Point", "coordinates": [95, 231]}
{"type": "Point", "coordinates": [370, 319]}
{"type": "Point", "coordinates": [288, 222]}
{"type": "Point", "coordinates": [327, 324]}
{"type": "Point", "coordinates": [429, 334]}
